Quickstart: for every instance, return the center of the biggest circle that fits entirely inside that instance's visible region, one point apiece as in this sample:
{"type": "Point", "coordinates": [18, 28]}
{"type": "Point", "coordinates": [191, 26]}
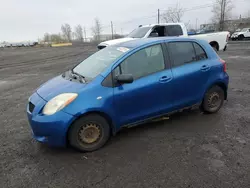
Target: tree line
{"type": "Point", "coordinates": [67, 34]}
{"type": "Point", "coordinates": [221, 12]}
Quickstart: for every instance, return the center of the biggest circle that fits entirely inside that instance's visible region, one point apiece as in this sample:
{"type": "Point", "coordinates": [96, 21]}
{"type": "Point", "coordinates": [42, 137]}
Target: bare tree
{"type": "Point", "coordinates": [173, 14]}
{"type": "Point", "coordinates": [46, 37]}
{"type": "Point", "coordinates": [222, 10]}
{"type": "Point", "coordinates": [79, 33]}
{"type": "Point", "coordinates": [67, 32]}
{"type": "Point", "coordinates": [56, 38]}
{"type": "Point", "coordinates": [96, 30]}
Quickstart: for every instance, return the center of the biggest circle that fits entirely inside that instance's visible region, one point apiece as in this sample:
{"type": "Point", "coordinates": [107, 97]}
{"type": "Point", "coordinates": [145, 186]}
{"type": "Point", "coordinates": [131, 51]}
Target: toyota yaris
{"type": "Point", "coordinates": [126, 85]}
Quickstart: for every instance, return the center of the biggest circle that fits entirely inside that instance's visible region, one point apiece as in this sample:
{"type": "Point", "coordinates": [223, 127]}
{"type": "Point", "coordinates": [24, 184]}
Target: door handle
{"type": "Point", "coordinates": [165, 79]}
{"type": "Point", "coordinates": [205, 68]}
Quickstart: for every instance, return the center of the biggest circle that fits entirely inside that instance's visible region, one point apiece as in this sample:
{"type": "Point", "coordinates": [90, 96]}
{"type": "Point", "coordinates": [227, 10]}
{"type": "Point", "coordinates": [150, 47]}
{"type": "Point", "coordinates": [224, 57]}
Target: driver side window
{"type": "Point", "coordinates": [142, 63]}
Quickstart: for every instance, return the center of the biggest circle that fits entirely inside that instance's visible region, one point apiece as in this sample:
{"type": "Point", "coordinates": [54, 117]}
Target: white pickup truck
{"type": "Point", "coordinates": [218, 40]}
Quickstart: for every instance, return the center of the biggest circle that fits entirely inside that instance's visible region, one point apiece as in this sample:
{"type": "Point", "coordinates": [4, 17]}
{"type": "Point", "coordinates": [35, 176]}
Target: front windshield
{"type": "Point", "coordinates": [244, 30]}
{"type": "Point", "coordinates": [96, 63]}
{"type": "Point", "coordinates": [139, 33]}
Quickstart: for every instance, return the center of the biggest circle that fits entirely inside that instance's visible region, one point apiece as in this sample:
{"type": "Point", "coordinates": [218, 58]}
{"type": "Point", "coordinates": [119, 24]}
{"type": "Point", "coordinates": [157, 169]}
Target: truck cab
{"type": "Point", "coordinates": [152, 30]}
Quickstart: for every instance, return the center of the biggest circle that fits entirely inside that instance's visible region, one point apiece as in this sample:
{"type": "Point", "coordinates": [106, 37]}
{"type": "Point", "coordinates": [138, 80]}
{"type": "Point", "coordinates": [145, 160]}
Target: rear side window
{"type": "Point", "coordinates": [200, 53]}
{"type": "Point", "coordinates": [173, 30]}
{"type": "Point", "coordinates": [181, 53]}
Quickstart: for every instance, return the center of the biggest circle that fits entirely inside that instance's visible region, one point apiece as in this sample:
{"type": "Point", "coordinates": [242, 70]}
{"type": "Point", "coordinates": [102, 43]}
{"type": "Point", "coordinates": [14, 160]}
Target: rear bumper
{"type": "Point", "coordinates": [225, 48]}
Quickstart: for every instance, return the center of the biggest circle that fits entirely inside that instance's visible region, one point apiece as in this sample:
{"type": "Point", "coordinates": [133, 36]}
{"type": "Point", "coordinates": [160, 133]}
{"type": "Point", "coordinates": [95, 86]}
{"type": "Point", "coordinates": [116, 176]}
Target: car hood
{"type": "Point", "coordinates": [115, 41]}
{"type": "Point", "coordinates": [58, 85]}
{"type": "Point", "coordinates": [238, 33]}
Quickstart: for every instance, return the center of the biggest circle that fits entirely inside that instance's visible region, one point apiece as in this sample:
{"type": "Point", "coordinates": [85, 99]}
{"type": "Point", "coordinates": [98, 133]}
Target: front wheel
{"type": "Point", "coordinates": [89, 133]}
{"type": "Point", "coordinates": [241, 37]}
{"type": "Point", "coordinates": [213, 100]}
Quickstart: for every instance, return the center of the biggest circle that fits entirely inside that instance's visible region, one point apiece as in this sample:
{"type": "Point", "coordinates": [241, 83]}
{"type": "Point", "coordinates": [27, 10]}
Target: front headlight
{"type": "Point", "coordinates": [58, 103]}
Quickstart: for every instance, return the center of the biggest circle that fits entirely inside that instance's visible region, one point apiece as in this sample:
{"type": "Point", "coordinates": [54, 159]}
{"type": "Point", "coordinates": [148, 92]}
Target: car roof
{"type": "Point", "coordinates": [144, 41]}
{"type": "Point", "coordinates": [162, 24]}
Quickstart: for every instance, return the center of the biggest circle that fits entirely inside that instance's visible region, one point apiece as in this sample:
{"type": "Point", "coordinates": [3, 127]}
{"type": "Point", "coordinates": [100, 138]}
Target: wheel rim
{"type": "Point", "coordinates": [214, 101]}
{"type": "Point", "coordinates": [89, 133]}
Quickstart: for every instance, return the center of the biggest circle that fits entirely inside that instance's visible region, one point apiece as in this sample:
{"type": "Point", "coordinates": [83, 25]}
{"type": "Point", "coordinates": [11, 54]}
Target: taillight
{"type": "Point", "coordinates": [224, 65]}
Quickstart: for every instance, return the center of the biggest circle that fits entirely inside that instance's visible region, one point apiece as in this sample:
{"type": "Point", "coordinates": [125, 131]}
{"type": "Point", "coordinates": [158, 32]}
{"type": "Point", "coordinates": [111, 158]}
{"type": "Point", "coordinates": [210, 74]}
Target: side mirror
{"type": "Point", "coordinates": [124, 78]}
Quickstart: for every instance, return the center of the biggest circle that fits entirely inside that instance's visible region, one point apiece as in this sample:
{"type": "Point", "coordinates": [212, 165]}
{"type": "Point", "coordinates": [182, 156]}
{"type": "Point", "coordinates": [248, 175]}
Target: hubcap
{"type": "Point", "coordinates": [89, 133]}
{"type": "Point", "coordinates": [214, 100]}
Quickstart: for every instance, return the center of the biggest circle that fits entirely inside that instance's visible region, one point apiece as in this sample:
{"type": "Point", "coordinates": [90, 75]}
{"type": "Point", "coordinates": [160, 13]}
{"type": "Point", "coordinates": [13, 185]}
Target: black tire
{"type": "Point", "coordinates": [241, 37]}
{"type": "Point", "coordinates": [213, 100]}
{"type": "Point", "coordinates": [75, 139]}
{"type": "Point", "coordinates": [215, 47]}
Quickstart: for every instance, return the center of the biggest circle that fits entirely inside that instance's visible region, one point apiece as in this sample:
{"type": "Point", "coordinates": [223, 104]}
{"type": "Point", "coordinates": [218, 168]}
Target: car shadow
{"type": "Point", "coordinates": [186, 121]}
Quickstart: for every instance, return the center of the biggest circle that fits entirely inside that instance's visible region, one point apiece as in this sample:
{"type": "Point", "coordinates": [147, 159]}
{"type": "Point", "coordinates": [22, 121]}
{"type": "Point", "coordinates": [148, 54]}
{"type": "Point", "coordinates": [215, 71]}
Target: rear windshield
{"type": "Point", "coordinates": [173, 30]}
{"type": "Point", "coordinates": [96, 63]}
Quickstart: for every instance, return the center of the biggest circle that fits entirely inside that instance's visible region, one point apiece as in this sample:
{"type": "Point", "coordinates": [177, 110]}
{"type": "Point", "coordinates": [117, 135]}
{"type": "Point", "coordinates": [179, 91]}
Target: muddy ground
{"type": "Point", "coordinates": [188, 150]}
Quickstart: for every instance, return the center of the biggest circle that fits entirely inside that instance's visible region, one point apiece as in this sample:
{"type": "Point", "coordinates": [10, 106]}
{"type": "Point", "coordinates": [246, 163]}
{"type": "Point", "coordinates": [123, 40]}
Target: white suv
{"type": "Point", "coordinates": [241, 35]}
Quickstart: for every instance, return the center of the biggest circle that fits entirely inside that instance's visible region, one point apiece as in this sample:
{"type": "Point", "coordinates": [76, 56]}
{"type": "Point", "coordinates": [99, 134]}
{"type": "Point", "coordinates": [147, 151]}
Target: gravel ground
{"type": "Point", "coordinates": [188, 150]}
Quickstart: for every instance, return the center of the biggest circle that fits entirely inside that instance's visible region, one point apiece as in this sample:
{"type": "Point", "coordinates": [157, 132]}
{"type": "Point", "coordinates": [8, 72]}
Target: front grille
{"type": "Point", "coordinates": [31, 107]}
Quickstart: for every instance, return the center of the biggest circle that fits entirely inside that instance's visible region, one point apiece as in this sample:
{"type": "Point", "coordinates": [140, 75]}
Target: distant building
{"type": "Point", "coordinates": [230, 25]}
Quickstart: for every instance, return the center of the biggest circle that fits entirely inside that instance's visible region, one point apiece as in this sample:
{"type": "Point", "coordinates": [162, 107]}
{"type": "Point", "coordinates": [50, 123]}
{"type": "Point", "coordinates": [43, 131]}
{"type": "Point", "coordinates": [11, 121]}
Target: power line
{"type": "Point", "coordinates": [152, 16]}
{"type": "Point", "coordinates": [157, 14]}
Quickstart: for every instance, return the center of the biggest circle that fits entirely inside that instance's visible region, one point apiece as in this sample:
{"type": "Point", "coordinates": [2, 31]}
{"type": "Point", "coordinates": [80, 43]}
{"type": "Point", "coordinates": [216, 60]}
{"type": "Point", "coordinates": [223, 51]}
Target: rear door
{"type": "Point", "coordinates": [173, 30]}
{"type": "Point", "coordinates": [191, 69]}
{"type": "Point", "coordinates": [150, 93]}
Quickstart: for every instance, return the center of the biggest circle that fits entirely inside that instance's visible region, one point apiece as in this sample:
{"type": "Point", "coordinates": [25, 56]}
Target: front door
{"type": "Point", "coordinates": [150, 93]}
{"type": "Point", "coordinates": [247, 34]}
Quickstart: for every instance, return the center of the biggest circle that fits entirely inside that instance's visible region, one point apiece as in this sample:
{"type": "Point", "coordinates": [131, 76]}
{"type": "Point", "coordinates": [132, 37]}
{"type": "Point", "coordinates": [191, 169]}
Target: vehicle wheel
{"type": "Point", "coordinates": [89, 133]}
{"type": "Point", "coordinates": [213, 100]}
{"type": "Point", "coordinates": [215, 47]}
{"type": "Point", "coordinates": [241, 37]}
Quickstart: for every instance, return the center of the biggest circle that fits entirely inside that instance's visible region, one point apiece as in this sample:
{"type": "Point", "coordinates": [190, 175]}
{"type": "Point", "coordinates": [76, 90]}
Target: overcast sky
{"type": "Point", "coordinates": [30, 19]}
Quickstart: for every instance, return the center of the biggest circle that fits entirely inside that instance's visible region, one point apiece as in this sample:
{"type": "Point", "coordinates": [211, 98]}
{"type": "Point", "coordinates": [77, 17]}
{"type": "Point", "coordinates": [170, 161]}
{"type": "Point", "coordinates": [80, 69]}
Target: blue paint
{"type": "Point", "coordinates": [150, 96]}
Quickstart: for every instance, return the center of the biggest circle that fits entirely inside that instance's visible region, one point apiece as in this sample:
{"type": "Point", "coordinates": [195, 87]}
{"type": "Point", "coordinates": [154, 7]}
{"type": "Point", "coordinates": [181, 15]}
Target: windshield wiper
{"type": "Point", "coordinates": [77, 75]}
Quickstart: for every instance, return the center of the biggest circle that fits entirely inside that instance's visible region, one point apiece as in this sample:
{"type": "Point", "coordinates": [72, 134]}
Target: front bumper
{"type": "Point", "coordinates": [52, 129]}
{"type": "Point", "coordinates": [234, 37]}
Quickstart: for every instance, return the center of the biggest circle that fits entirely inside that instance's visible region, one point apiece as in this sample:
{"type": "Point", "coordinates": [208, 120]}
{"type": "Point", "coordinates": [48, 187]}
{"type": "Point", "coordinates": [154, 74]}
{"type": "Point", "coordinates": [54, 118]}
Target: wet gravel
{"type": "Point", "coordinates": [188, 150]}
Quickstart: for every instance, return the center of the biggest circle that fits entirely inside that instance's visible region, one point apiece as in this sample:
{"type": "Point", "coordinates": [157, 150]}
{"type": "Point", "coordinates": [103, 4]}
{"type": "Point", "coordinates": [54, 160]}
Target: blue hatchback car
{"type": "Point", "coordinates": [126, 85]}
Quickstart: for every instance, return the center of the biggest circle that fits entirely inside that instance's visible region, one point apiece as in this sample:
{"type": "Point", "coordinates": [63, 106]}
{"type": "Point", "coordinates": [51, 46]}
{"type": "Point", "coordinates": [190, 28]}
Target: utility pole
{"type": "Point", "coordinates": [196, 24]}
{"type": "Point", "coordinates": [224, 10]}
{"type": "Point", "coordinates": [112, 32]}
{"type": "Point", "coordinates": [85, 35]}
{"type": "Point", "coordinates": [222, 15]}
{"type": "Point", "coordinates": [158, 16]}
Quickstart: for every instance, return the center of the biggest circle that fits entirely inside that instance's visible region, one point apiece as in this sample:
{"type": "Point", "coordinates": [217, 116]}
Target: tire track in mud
{"type": "Point", "coordinates": [40, 60]}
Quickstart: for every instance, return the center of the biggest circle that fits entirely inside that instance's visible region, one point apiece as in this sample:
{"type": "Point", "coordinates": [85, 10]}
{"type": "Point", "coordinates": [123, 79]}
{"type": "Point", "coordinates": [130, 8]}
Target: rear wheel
{"type": "Point", "coordinates": [215, 46]}
{"type": "Point", "coordinates": [213, 100]}
{"type": "Point", "coordinates": [89, 133]}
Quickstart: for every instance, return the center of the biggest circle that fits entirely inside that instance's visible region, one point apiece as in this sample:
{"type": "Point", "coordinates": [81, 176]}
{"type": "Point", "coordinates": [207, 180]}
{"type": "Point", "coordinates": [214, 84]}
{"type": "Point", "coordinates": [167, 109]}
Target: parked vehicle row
{"type": "Point", "coordinates": [20, 44]}
{"type": "Point", "coordinates": [124, 85]}
{"type": "Point", "coordinates": [218, 40]}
